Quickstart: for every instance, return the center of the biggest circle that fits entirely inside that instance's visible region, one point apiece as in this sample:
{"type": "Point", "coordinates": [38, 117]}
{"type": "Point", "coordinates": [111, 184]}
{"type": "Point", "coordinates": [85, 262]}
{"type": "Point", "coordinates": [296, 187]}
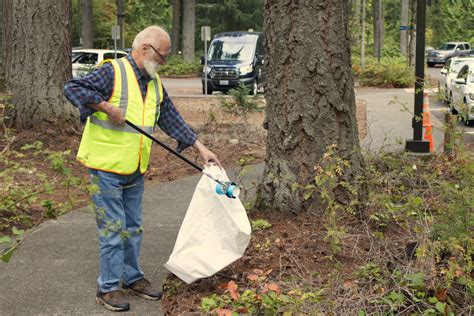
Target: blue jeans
{"type": "Point", "coordinates": [119, 218]}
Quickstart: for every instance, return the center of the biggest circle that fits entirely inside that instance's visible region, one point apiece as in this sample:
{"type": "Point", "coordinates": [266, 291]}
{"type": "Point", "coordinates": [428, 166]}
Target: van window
{"type": "Point", "coordinates": [223, 50]}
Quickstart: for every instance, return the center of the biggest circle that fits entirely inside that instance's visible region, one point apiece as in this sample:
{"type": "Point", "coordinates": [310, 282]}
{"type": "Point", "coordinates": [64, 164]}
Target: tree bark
{"type": "Point", "coordinates": [189, 18]}
{"type": "Point", "coordinates": [376, 6]}
{"type": "Point", "coordinates": [176, 27]}
{"type": "Point", "coordinates": [362, 34]}
{"type": "Point", "coordinates": [120, 23]}
{"type": "Point", "coordinates": [87, 25]}
{"type": "Point", "coordinates": [39, 63]}
{"type": "Point", "coordinates": [6, 47]}
{"type": "Point", "coordinates": [412, 40]}
{"type": "Point", "coordinates": [310, 98]}
{"type": "Point", "coordinates": [404, 22]}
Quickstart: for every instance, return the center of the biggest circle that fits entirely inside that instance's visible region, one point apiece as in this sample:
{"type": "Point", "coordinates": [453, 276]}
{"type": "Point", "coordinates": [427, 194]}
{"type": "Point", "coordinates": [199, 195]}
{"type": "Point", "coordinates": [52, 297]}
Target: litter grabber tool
{"type": "Point", "coordinates": [227, 188]}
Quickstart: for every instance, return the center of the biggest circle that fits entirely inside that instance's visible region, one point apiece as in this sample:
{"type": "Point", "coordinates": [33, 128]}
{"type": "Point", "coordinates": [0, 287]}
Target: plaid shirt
{"type": "Point", "coordinates": [97, 86]}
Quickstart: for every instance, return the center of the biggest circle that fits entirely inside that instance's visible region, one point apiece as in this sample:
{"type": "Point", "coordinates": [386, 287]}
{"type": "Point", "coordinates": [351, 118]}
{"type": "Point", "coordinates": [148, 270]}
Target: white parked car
{"type": "Point", "coordinates": [86, 60]}
{"type": "Point", "coordinates": [463, 93]}
{"type": "Point", "coordinates": [448, 73]}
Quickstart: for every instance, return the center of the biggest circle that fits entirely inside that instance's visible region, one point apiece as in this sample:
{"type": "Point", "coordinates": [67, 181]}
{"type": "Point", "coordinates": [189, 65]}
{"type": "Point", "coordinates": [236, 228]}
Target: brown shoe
{"type": "Point", "coordinates": [113, 301]}
{"type": "Point", "coordinates": [143, 289]}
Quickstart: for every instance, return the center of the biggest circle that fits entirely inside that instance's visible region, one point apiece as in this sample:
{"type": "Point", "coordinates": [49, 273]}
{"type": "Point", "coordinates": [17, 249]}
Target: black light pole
{"type": "Point", "coordinates": [417, 144]}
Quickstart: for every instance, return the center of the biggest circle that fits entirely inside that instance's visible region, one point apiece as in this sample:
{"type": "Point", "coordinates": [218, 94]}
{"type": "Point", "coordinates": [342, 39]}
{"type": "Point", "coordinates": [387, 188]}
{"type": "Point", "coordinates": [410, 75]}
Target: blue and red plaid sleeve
{"type": "Point", "coordinates": [93, 88]}
{"type": "Point", "coordinates": [172, 123]}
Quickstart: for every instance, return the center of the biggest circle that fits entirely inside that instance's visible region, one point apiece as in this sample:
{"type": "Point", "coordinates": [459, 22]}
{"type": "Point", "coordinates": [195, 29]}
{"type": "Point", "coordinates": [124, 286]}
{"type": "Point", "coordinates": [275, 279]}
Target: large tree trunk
{"type": "Point", "coordinates": [189, 18]}
{"type": "Point", "coordinates": [176, 27]}
{"type": "Point", "coordinates": [39, 62]}
{"type": "Point", "coordinates": [120, 23]}
{"type": "Point", "coordinates": [5, 47]}
{"type": "Point", "coordinates": [87, 25]}
{"type": "Point", "coordinates": [2, 67]}
{"type": "Point", "coordinates": [310, 98]}
{"type": "Point", "coordinates": [404, 22]}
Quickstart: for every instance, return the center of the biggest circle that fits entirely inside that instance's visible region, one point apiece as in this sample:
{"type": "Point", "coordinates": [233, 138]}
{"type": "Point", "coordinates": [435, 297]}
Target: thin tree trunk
{"type": "Point", "coordinates": [176, 28]}
{"type": "Point", "coordinates": [188, 30]}
{"type": "Point", "coordinates": [87, 25]}
{"type": "Point", "coordinates": [412, 43]}
{"type": "Point", "coordinates": [310, 99]}
{"type": "Point", "coordinates": [362, 34]}
{"type": "Point", "coordinates": [38, 70]}
{"type": "Point", "coordinates": [120, 23]}
{"type": "Point", "coordinates": [381, 26]}
{"type": "Point", "coordinates": [404, 22]}
{"type": "Point", "coordinates": [377, 30]}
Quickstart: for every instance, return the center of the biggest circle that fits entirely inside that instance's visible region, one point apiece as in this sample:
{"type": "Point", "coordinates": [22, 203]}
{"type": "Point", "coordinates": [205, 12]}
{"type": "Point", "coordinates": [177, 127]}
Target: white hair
{"type": "Point", "coordinates": [150, 35]}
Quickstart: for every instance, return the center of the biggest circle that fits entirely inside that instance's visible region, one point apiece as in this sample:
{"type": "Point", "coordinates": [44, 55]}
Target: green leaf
{"type": "Point", "coordinates": [18, 232]}
{"type": "Point", "coordinates": [361, 313]}
{"type": "Point", "coordinates": [441, 307]}
{"type": "Point", "coordinates": [5, 240]}
{"type": "Point", "coordinates": [433, 300]}
{"type": "Point", "coordinates": [7, 253]}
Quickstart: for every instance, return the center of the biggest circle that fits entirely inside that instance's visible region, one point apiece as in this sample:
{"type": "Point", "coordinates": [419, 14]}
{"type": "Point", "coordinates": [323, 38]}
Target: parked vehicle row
{"type": "Point", "coordinates": [446, 51]}
{"type": "Point", "coordinates": [463, 93]}
{"type": "Point", "coordinates": [456, 86]}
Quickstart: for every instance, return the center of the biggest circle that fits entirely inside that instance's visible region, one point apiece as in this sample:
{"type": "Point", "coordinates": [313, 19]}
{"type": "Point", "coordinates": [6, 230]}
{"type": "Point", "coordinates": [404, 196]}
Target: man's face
{"type": "Point", "coordinates": [155, 58]}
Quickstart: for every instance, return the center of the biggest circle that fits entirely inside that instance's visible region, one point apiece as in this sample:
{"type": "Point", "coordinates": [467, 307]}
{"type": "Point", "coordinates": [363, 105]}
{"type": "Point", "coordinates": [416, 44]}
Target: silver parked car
{"type": "Point", "coordinates": [446, 51]}
{"type": "Point", "coordinates": [463, 93]}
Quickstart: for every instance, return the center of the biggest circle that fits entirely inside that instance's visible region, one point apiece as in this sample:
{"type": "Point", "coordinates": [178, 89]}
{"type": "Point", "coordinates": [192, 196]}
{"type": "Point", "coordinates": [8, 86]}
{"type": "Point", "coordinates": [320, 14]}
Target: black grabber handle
{"type": "Point", "coordinates": [171, 150]}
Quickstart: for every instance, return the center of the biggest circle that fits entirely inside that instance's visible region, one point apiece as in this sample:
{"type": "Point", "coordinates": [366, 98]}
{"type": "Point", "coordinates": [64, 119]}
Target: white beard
{"type": "Point", "coordinates": [151, 68]}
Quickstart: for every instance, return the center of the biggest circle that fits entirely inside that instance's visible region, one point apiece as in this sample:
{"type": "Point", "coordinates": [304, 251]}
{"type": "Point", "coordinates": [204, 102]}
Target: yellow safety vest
{"type": "Point", "coordinates": [121, 149]}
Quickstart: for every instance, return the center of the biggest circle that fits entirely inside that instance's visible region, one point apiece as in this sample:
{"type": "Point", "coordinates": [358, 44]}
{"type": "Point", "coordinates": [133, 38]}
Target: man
{"type": "Point", "coordinates": [117, 156]}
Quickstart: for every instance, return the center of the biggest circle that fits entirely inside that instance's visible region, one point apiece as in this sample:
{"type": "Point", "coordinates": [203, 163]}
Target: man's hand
{"type": "Point", "coordinates": [207, 155]}
{"type": "Point", "coordinates": [114, 113]}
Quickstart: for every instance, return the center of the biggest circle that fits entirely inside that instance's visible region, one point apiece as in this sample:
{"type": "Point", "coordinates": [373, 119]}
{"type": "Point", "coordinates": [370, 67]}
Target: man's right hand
{"type": "Point", "coordinates": [114, 113]}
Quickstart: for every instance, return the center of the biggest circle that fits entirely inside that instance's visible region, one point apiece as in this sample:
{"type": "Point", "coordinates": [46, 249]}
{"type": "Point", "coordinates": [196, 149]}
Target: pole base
{"type": "Point", "coordinates": [417, 146]}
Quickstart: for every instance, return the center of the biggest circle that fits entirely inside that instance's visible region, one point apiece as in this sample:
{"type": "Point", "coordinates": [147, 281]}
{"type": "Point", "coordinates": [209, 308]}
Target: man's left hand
{"type": "Point", "coordinates": [207, 155]}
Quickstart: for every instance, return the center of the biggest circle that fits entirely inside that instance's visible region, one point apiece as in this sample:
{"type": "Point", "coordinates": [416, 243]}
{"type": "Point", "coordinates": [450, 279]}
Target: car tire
{"type": "Point", "coordinates": [430, 65]}
{"type": "Point", "coordinates": [209, 90]}
{"type": "Point", "coordinates": [453, 110]}
{"type": "Point", "coordinates": [254, 88]}
{"type": "Point", "coordinates": [469, 123]}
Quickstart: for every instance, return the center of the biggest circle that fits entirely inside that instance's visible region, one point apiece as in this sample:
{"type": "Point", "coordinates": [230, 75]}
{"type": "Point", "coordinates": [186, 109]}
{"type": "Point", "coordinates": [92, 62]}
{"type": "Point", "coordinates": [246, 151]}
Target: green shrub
{"type": "Point", "coordinates": [389, 72]}
{"type": "Point", "coordinates": [176, 66]}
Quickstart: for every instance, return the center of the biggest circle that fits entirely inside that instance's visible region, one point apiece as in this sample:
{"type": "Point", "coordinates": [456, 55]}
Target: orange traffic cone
{"type": "Point", "coordinates": [427, 121]}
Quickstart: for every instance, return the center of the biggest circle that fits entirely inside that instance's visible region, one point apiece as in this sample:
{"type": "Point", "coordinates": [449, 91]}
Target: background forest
{"type": "Point", "coordinates": [447, 20]}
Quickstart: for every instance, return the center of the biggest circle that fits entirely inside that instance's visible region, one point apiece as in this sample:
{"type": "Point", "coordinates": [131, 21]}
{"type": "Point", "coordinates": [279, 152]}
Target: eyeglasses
{"type": "Point", "coordinates": [164, 59]}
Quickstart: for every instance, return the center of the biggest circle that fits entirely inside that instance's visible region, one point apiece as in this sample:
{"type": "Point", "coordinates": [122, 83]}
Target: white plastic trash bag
{"type": "Point", "coordinates": [215, 232]}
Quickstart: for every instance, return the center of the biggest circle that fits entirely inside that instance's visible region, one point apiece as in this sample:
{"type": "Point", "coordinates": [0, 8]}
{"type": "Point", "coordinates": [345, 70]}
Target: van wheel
{"type": "Point", "coordinates": [254, 89]}
{"type": "Point", "coordinates": [209, 90]}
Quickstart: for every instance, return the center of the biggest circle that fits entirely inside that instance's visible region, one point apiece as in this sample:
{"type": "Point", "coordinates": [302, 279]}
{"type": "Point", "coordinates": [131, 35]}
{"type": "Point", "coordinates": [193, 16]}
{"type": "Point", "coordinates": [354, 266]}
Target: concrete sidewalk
{"type": "Point", "coordinates": [54, 271]}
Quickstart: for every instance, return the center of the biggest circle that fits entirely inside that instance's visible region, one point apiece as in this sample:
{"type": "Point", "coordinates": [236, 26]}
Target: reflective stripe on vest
{"type": "Point", "coordinates": [121, 149]}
